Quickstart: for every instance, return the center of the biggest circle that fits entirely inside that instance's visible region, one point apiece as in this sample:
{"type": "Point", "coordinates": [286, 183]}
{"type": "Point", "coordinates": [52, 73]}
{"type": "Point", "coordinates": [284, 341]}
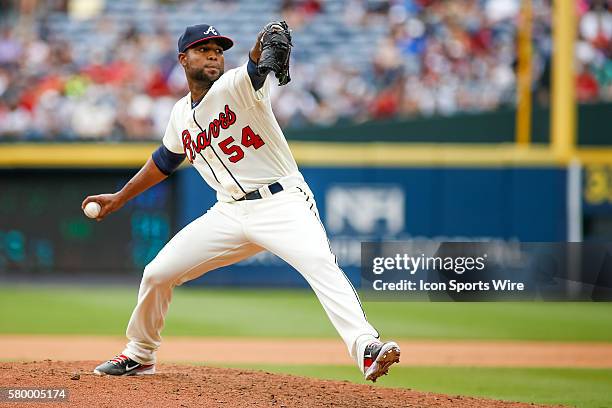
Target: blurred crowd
{"type": "Point", "coordinates": [123, 92]}
{"type": "Point", "coordinates": [433, 58]}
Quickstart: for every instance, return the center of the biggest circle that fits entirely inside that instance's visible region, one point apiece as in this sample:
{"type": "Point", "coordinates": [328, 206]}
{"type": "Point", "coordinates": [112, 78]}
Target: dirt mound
{"type": "Point", "coordinates": [197, 386]}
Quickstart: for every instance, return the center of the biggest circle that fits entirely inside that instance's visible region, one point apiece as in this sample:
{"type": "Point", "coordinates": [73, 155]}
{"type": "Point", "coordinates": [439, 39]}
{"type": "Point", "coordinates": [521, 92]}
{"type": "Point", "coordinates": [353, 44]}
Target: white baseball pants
{"type": "Point", "coordinates": [286, 224]}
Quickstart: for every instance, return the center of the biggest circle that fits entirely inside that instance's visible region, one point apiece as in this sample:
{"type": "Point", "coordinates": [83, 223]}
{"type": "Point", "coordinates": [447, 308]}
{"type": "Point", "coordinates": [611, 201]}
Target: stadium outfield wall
{"type": "Point", "coordinates": [364, 192]}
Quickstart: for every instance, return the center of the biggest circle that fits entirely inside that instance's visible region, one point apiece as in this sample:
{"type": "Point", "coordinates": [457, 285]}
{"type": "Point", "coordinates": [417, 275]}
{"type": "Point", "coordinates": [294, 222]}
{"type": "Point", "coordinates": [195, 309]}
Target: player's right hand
{"type": "Point", "coordinates": [109, 203]}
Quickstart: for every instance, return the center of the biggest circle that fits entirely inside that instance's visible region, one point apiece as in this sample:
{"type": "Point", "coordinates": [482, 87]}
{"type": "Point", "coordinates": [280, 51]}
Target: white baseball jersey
{"type": "Point", "coordinates": [232, 137]}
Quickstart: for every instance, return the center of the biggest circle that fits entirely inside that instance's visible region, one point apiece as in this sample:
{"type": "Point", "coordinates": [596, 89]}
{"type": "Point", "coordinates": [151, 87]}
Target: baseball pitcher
{"type": "Point", "coordinates": [226, 129]}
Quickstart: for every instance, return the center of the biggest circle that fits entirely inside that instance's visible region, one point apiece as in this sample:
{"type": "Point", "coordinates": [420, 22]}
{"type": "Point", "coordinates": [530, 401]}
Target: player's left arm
{"type": "Point", "coordinates": [270, 52]}
{"type": "Point", "coordinates": [257, 78]}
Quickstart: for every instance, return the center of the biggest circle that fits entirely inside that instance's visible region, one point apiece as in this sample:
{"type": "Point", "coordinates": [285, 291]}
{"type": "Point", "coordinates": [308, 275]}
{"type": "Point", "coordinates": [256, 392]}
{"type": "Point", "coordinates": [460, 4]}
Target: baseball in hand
{"type": "Point", "coordinates": [92, 209]}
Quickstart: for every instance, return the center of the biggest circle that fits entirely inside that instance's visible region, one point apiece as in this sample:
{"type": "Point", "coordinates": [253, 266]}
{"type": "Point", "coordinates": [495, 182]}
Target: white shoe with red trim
{"type": "Point", "coordinates": [378, 357]}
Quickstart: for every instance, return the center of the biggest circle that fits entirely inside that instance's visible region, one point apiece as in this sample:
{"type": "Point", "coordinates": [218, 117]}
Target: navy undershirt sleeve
{"type": "Point", "coordinates": [257, 80]}
{"type": "Point", "coordinates": [167, 161]}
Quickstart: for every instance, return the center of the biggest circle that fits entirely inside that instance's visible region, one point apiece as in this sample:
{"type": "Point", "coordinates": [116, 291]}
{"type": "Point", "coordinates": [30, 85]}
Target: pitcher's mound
{"type": "Point", "coordinates": [197, 386]}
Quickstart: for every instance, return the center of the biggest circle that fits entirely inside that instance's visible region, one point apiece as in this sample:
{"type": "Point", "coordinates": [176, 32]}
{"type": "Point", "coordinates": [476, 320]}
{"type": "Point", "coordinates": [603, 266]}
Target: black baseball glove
{"type": "Point", "coordinates": [275, 51]}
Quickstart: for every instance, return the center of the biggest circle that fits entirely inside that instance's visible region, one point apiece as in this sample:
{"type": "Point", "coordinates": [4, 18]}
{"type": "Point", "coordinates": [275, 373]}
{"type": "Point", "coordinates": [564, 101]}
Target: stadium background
{"type": "Point", "coordinates": [402, 115]}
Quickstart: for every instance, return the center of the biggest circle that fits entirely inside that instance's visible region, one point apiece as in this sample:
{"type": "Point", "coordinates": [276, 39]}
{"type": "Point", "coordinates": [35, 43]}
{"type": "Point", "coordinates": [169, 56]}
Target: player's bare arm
{"type": "Point", "coordinates": [255, 52]}
{"type": "Point", "coordinates": [148, 176]}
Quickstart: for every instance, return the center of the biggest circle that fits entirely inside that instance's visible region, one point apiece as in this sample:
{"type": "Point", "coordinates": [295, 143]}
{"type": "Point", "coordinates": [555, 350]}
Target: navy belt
{"type": "Point", "coordinates": [256, 195]}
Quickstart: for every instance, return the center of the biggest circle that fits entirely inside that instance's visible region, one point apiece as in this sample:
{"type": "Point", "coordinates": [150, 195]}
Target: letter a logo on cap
{"type": "Point", "coordinates": [211, 29]}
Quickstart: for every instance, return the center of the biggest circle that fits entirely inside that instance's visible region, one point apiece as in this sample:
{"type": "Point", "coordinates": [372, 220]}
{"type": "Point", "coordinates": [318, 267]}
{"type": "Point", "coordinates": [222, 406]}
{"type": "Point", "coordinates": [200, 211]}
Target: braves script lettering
{"type": "Point", "coordinates": [191, 147]}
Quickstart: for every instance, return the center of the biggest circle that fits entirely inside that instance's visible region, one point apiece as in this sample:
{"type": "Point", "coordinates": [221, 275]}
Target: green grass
{"type": "Point", "coordinates": [294, 313]}
{"type": "Point", "coordinates": [588, 388]}
{"type": "Point", "coordinates": [297, 313]}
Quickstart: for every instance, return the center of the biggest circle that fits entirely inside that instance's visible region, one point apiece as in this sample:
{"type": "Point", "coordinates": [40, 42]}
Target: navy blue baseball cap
{"type": "Point", "coordinates": [201, 32]}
